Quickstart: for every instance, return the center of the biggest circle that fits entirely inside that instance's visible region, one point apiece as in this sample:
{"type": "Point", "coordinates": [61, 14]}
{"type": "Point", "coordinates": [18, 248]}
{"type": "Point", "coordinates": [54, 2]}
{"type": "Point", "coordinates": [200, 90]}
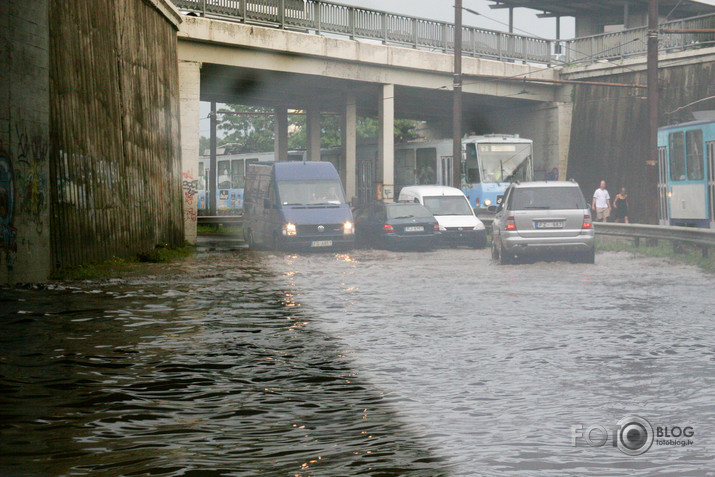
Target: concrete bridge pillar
{"type": "Point", "coordinates": [562, 126]}
{"type": "Point", "coordinates": [350, 146]}
{"type": "Point", "coordinates": [189, 97]}
{"type": "Point", "coordinates": [313, 136]}
{"type": "Point", "coordinates": [386, 141]}
{"type": "Point", "coordinates": [281, 133]}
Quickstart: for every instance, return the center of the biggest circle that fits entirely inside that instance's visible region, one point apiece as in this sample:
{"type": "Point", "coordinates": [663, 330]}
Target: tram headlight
{"type": "Point", "coordinates": [487, 202]}
{"type": "Point", "coordinates": [289, 229]}
{"type": "Point", "coordinates": [348, 228]}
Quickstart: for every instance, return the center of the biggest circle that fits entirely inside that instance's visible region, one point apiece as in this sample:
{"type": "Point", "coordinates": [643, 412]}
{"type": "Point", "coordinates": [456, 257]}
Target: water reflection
{"type": "Point", "coordinates": [211, 369]}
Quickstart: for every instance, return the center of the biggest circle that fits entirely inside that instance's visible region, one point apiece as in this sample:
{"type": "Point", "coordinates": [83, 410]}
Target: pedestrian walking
{"type": "Point", "coordinates": [601, 203]}
{"type": "Point", "coordinates": [620, 206]}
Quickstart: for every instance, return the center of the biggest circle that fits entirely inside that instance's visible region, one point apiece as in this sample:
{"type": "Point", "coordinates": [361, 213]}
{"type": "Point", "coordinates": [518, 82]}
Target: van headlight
{"type": "Point", "coordinates": [348, 228]}
{"type": "Point", "coordinates": [289, 229]}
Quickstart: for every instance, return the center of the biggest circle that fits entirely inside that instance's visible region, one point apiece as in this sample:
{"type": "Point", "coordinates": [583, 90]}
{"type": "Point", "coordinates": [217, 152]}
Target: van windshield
{"type": "Point", "coordinates": [448, 205]}
{"type": "Point", "coordinates": [312, 192]}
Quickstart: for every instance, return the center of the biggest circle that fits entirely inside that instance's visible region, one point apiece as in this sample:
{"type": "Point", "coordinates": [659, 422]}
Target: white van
{"type": "Point", "coordinates": [457, 222]}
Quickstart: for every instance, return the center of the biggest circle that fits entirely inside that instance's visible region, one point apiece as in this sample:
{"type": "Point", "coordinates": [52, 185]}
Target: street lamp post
{"type": "Point", "coordinates": [457, 98]}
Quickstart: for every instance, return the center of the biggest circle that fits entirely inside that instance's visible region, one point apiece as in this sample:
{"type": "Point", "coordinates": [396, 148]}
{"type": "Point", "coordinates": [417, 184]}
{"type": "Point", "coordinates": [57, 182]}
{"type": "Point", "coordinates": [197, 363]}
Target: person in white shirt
{"type": "Point", "coordinates": [601, 203]}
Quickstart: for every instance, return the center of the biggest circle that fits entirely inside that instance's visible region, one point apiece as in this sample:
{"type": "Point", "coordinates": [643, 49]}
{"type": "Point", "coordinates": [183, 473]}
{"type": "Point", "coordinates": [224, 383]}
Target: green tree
{"type": "Point", "coordinates": [253, 132]}
{"type": "Point", "coordinates": [251, 128]}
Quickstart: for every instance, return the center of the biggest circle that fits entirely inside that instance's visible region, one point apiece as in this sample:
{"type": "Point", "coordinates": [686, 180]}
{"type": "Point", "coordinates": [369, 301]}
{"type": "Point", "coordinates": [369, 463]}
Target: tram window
{"type": "Point", "coordinates": [472, 165]}
{"type": "Point", "coordinates": [238, 175]}
{"type": "Point", "coordinates": [426, 162]}
{"type": "Point", "coordinates": [694, 153]}
{"type": "Point", "coordinates": [677, 156]}
{"type": "Point", "coordinates": [224, 175]}
{"type": "Point", "coordinates": [404, 167]}
{"type": "Point", "coordinates": [202, 176]}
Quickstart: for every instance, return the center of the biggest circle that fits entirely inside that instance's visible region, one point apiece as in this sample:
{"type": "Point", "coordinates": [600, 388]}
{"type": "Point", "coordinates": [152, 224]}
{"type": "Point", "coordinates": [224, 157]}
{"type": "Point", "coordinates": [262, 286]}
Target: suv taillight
{"type": "Point", "coordinates": [387, 228]}
{"type": "Point", "coordinates": [586, 222]}
{"type": "Point", "coordinates": [510, 225]}
{"type": "Point", "coordinates": [436, 227]}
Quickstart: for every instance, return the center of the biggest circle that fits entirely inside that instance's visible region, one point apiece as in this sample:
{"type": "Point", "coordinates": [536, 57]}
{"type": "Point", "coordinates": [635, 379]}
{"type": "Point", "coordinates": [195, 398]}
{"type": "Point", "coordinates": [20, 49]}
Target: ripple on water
{"type": "Point", "coordinates": [368, 362]}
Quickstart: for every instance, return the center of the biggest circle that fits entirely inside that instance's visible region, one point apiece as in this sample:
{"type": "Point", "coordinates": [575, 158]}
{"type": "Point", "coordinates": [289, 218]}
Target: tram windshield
{"type": "Point", "coordinates": [499, 162]}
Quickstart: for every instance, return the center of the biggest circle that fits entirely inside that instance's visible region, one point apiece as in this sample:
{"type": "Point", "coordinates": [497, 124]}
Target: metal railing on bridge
{"type": "Point", "coordinates": [704, 238]}
{"type": "Point", "coordinates": [634, 41]}
{"type": "Point", "coordinates": [317, 16]}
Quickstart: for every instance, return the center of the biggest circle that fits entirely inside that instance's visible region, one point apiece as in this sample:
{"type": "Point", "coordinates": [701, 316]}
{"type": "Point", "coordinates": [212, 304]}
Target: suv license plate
{"type": "Point", "coordinates": [321, 243]}
{"type": "Point", "coordinates": [549, 225]}
{"type": "Point", "coordinates": [415, 228]}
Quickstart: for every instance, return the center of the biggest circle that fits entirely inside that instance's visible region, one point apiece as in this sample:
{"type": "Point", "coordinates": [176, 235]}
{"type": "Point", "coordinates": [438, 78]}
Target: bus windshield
{"type": "Point", "coordinates": [315, 192]}
{"type": "Point", "coordinates": [448, 205]}
{"type": "Point", "coordinates": [504, 162]}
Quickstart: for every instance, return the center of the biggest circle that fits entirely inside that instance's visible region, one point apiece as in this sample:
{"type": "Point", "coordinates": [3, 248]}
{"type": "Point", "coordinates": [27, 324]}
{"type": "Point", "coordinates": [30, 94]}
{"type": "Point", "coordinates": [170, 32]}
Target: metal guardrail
{"type": "Point", "coordinates": [236, 220]}
{"type": "Point", "coordinates": [356, 22]}
{"type": "Point", "coordinates": [634, 41]}
{"type": "Point", "coordinates": [704, 238]}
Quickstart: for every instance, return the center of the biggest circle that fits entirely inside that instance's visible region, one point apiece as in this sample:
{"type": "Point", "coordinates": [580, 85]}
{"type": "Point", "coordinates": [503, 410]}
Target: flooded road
{"type": "Point", "coordinates": [365, 363]}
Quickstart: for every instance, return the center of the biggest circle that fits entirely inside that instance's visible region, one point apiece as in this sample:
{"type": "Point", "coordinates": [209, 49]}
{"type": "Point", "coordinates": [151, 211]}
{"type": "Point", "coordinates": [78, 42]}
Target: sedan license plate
{"type": "Point", "coordinates": [415, 228]}
{"type": "Point", "coordinates": [321, 243]}
{"type": "Point", "coordinates": [549, 225]}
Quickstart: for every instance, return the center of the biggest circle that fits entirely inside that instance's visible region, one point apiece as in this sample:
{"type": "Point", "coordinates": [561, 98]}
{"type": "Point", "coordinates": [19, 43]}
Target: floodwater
{"type": "Point", "coordinates": [363, 363]}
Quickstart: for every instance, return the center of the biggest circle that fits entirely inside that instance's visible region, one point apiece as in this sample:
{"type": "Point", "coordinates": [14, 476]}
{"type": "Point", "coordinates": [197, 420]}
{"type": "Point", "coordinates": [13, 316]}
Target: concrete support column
{"type": "Point", "coordinates": [313, 137]}
{"type": "Point", "coordinates": [386, 142]}
{"type": "Point", "coordinates": [189, 94]}
{"type": "Point", "coordinates": [24, 142]}
{"type": "Point", "coordinates": [281, 133]}
{"type": "Point", "coordinates": [349, 130]}
{"type": "Point", "coordinates": [563, 112]}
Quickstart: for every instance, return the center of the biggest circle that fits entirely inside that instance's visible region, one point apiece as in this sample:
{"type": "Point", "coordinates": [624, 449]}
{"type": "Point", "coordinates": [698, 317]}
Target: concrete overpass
{"type": "Point", "coordinates": [238, 63]}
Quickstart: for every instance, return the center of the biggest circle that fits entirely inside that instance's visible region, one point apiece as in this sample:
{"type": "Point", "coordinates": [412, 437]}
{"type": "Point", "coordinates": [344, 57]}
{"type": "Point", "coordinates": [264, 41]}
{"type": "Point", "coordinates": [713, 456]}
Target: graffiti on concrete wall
{"type": "Point", "coordinates": [31, 182]}
{"type": "Point", "coordinates": [8, 245]}
{"type": "Point", "coordinates": [190, 187]}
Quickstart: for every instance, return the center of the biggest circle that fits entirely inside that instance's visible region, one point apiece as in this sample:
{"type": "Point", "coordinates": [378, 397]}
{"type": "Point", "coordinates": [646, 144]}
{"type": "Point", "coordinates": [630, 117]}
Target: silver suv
{"type": "Point", "coordinates": [538, 217]}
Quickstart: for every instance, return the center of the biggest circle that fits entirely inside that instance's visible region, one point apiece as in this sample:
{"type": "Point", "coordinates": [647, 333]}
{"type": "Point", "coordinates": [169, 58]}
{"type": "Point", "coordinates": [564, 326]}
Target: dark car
{"type": "Point", "coordinates": [396, 226]}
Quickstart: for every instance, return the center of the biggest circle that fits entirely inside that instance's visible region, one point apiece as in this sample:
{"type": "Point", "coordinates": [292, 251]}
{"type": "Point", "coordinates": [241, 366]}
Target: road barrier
{"type": "Point", "coordinates": [389, 28]}
{"type": "Point", "coordinates": [704, 238]}
{"type": "Point", "coordinates": [233, 220]}
{"type": "Point", "coordinates": [675, 35]}
{"type": "Point", "coordinates": [318, 16]}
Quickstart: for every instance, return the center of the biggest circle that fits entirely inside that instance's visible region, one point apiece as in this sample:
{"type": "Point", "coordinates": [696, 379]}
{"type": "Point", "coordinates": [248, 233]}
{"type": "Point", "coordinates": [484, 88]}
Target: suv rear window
{"type": "Point", "coordinates": [560, 198]}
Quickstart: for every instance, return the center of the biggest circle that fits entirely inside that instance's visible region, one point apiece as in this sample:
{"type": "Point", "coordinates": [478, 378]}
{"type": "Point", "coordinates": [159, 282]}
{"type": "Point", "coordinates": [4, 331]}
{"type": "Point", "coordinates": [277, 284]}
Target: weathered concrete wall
{"type": "Point", "coordinates": [115, 139]}
{"type": "Point", "coordinates": [270, 49]}
{"type": "Point", "coordinates": [610, 125]}
{"type": "Point", "coordinates": [547, 124]}
{"type": "Point", "coordinates": [24, 141]}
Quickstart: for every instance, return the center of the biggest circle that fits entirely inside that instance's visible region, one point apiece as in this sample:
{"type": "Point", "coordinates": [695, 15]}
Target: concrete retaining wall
{"type": "Point", "coordinates": [24, 141]}
{"type": "Point", "coordinates": [609, 131]}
